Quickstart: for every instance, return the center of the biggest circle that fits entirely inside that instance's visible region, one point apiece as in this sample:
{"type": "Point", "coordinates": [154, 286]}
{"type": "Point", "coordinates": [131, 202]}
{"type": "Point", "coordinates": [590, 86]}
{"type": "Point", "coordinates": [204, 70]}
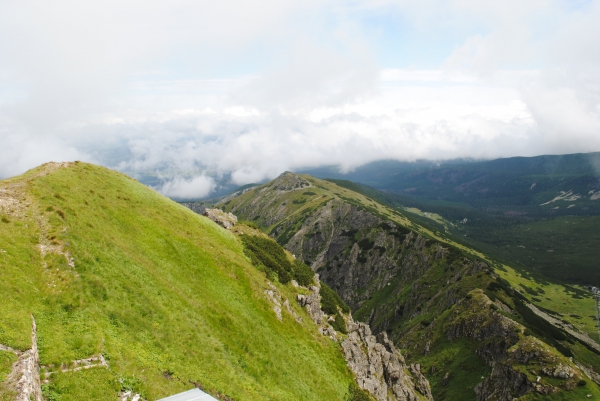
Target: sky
{"type": "Point", "coordinates": [191, 92]}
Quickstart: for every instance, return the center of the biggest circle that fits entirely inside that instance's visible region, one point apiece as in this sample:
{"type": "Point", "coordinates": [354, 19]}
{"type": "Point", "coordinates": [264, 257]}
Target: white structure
{"type": "Point", "coordinates": [191, 395]}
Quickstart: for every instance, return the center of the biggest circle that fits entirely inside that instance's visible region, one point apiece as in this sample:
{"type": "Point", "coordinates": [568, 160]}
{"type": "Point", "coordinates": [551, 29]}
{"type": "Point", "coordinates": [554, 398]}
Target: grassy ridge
{"type": "Point", "coordinates": [453, 368]}
{"type": "Point", "coordinates": [167, 296]}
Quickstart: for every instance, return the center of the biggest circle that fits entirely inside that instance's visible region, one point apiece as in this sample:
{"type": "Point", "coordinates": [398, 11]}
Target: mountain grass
{"type": "Point", "coordinates": [6, 361]}
{"type": "Point", "coordinates": [167, 296]}
{"type": "Point", "coordinates": [576, 309]}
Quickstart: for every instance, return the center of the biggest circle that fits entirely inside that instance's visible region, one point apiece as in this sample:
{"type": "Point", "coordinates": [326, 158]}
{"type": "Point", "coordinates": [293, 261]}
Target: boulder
{"type": "Point", "coordinates": [226, 220]}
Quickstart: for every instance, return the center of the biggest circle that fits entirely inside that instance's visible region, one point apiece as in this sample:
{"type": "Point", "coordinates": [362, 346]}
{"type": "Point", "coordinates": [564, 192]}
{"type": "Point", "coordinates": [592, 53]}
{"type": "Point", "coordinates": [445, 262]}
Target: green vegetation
{"type": "Point", "coordinates": [558, 300]}
{"type": "Point", "coordinates": [339, 324]}
{"type": "Point", "coordinates": [564, 248]}
{"type": "Point", "coordinates": [167, 296]}
{"type": "Point", "coordinates": [6, 361]}
{"type": "Point", "coordinates": [270, 257]}
{"type": "Point", "coordinates": [355, 393]}
{"type": "Point", "coordinates": [331, 301]}
{"type": "Point", "coordinates": [332, 304]}
{"type": "Point", "coordinates": [455, 369]}
{"type": "Point", "coordinates": [302, 273]}
{"type": "Point", "coordinates": [250, 224]}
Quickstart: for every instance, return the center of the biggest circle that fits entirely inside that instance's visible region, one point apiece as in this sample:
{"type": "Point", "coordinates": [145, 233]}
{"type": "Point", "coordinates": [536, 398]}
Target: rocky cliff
{"type": "Point", "coordinates": [443, 307]}
{"type": "Point", "coordinates": [378, 366]}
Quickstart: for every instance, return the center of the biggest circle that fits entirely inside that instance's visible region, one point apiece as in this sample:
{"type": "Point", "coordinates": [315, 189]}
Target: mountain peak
{"type": "Point", "coordinates": [289, 181]}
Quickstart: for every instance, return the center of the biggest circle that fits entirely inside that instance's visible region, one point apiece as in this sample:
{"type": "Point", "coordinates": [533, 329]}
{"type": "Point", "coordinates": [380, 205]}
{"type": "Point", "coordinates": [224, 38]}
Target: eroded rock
{"type": "Point", "coordinates": [24, 378]}
{"type": "Point", "coordinates": [312, 303]}
{"type": "Point", "coordinates": [379, 368]}
{"type": "Point", "coordinates": [278, 301]}
{"type": "Point", "coordinates": [225, 220]}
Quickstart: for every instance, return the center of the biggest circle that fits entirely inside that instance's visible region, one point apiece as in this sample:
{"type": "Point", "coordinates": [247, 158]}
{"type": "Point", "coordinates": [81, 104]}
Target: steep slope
{"type": "Point", "coordinates": [132, 292]}
{"type": "Point", "coordinates": [444, 305]}
{"type": "Point", "coordinates": [536, 213]}
{"type": "Point", "coordinates": [381, 371]}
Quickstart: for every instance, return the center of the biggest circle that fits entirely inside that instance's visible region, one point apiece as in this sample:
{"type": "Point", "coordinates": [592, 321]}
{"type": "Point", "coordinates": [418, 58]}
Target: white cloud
{"type": "Point", "coordinates": [407, 122]}
{"type": "Point", "coordinates": [20, 153]}
{"type": "Point", "coordinates": [179, 188]}
{"type": "Point", "coordinates": [255, 88]}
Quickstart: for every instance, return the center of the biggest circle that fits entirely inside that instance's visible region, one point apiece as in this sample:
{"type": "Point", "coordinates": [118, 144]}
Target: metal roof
{"type": "Point", "coordinates": [191, 395]}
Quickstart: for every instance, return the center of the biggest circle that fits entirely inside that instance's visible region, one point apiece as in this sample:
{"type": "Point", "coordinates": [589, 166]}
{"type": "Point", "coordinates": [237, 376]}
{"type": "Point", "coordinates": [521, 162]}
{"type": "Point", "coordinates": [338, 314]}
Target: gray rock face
{"type": "Point", "coordinates": [358, 253]}
{"type": "Point", "coordinates": [24, 378]}
{"type": "Point", "coordinates": [560, 371]}
{"type": "Point", "coordinates": [515, 385]}
{"type": "Point", "coordinates": [379, 367]}
{"type": "Point", "coordinates": [312, 303]}
{"type": "Point", "coordinates": [278, 301]}
{"type": "Point", "coordinates": [225, 220]}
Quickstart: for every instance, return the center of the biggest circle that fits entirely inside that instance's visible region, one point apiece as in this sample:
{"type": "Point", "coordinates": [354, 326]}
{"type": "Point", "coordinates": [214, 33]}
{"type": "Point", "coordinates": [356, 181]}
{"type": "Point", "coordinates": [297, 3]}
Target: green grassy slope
{"type": "Point", "coordinates": [167, 296]}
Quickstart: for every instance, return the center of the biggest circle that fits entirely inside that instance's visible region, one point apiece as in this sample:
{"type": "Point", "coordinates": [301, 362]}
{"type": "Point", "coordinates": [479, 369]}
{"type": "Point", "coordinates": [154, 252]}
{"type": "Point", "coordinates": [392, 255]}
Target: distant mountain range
{"type": "Point", "coordinates": [539, 213]}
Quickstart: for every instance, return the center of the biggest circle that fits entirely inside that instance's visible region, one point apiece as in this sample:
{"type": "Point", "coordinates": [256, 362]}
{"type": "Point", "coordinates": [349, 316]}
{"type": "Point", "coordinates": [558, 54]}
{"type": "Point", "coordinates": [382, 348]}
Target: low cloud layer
{"type": "Point", "coordinates": [194, 188]}
{"type": "Point", "coordinates": [247, 91]}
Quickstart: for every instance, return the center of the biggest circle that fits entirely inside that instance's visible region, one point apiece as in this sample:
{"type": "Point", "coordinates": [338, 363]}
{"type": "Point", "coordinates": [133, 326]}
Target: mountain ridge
{"type": "Point", "coordinates": [538, 214]}
{"type": "Point", "coordinates": [430, 294]}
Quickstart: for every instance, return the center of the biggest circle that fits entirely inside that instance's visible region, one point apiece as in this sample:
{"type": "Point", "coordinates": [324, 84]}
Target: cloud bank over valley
{"type": "Point", "coordinates": [186, 95]}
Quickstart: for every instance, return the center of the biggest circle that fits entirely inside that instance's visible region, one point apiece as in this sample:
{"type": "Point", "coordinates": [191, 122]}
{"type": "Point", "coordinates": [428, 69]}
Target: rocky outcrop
{"type": "Point", "coordinates": [225, 220]}
{"type": "Point", "coordinates": [504, 384]}
{"type": "Point", "coordinates": [130, 396]}
{"type": "Point", "coordinates": [278, 301]}
{"type": "Point", "coordinates": [95, 361]}
{"type": "Point", "coordinates": [312, 303]}
{"type": "Point", "coordinates": [24, 379]}
{"type": "Point", "coordinates": [380, 369]}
